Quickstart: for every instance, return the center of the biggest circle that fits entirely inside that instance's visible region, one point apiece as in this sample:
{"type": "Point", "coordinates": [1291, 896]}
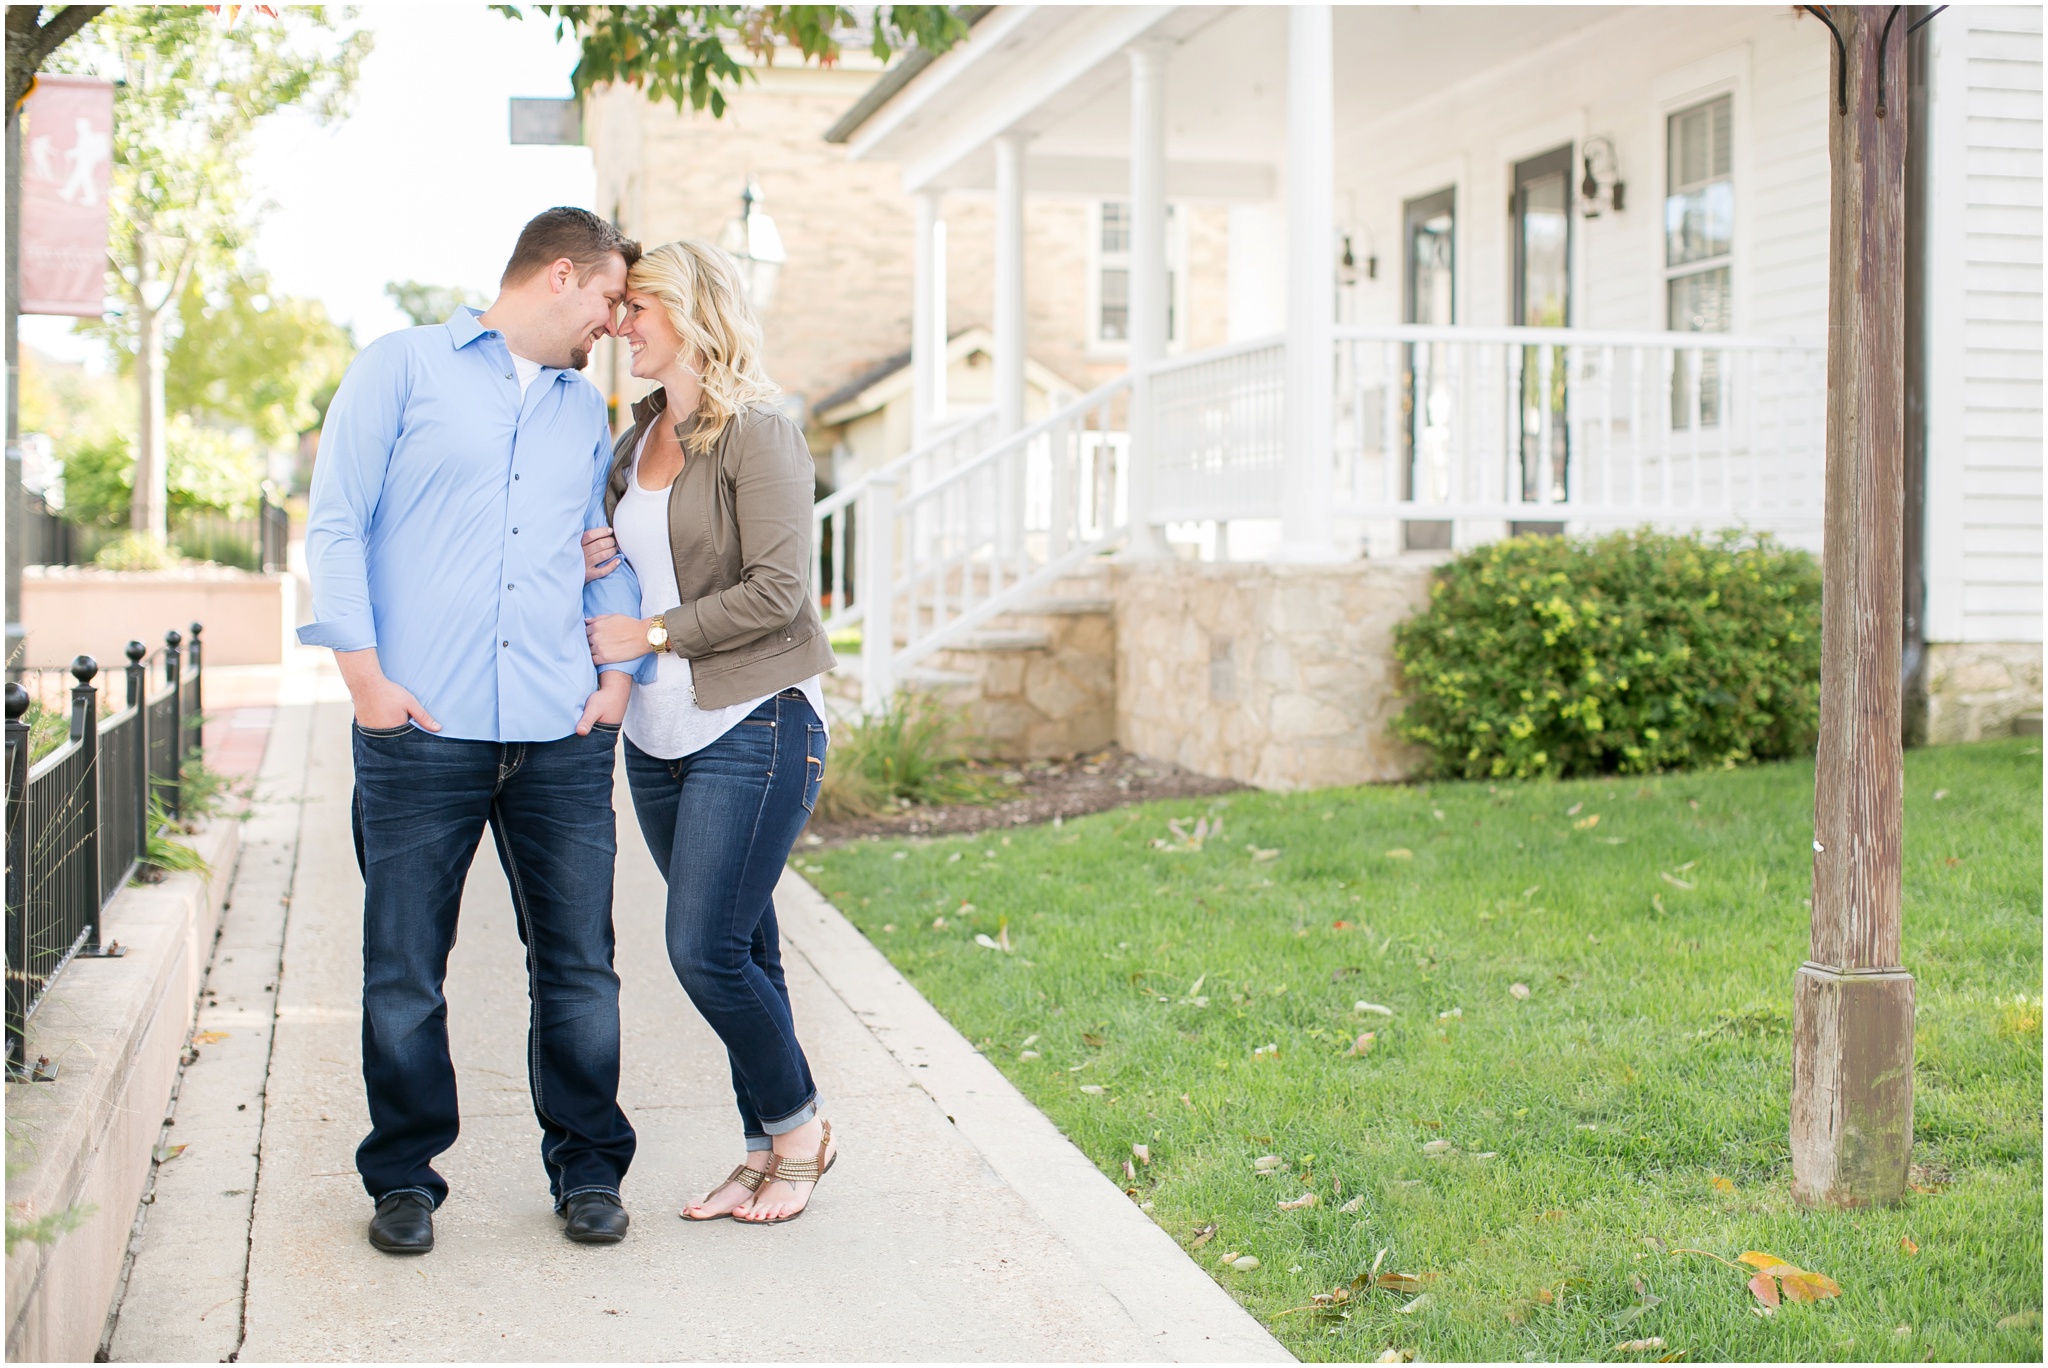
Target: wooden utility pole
{"type": "Point", "coordinates": [1852, 1035]}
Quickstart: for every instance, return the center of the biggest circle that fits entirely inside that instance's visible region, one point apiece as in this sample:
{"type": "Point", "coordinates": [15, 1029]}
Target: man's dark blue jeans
{"type": "Point", "coordinates": [421, 805]}
{"type": "Point", "coordinates": [720, 822]}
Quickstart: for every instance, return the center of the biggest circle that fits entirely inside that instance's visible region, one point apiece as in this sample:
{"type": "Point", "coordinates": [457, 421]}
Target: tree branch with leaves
{"type": "Point", "coordinates": [685, 53]}
{"type": "Point", "coordinates": [192, 92]}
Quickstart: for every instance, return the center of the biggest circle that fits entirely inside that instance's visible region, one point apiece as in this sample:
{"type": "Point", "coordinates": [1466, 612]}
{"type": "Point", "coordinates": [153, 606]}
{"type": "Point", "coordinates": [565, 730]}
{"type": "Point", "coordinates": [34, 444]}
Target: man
{"type": "Point", "coordinates": [459, 467]}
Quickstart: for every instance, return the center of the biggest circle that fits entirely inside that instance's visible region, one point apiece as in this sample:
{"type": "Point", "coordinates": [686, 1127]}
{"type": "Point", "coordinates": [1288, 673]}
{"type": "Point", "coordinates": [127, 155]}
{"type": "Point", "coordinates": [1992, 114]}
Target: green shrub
{"type": "Point", "coordinates": [1632, 653]}
{"type": "Point", "coordinates": [911, 752]}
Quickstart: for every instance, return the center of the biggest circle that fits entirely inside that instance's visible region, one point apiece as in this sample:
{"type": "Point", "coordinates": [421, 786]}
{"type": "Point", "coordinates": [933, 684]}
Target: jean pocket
{"type": "Point", "coordinates": [608, 728]}
{"type": "Point", "coordinates": [815, 745]}
{"type": "Point", "coordinates": [384, 732]}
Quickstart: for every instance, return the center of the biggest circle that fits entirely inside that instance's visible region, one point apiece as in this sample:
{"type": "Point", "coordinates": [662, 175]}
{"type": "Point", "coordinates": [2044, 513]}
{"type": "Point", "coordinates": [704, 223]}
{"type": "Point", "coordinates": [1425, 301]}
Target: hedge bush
{"type": "Point", "coordinates": [1630, 653]}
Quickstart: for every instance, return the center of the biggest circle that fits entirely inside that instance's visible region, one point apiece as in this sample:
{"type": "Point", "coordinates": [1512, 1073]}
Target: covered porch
{"type": "Point", "coordinates": [1408, 369]}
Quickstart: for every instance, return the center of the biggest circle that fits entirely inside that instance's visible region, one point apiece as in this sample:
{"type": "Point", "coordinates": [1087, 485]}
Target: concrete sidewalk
{"type": "Point", "coordinates": [958, 1225]}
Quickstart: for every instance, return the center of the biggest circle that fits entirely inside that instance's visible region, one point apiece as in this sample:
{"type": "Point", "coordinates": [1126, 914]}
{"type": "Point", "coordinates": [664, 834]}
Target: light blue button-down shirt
{"type": "Point", "coordinates": [446, 530]}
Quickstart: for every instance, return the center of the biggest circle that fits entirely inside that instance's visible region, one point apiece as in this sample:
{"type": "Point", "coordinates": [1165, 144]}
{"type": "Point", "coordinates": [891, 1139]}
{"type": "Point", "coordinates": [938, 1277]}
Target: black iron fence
{"type": "Point", "coordinates": [257, 543]}
{"type": "Point", "coordinates": [79, 819]}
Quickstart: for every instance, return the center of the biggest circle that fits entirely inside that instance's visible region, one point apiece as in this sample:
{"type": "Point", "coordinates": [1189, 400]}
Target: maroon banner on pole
{"type": "Point", "coordinates": [67, 164]}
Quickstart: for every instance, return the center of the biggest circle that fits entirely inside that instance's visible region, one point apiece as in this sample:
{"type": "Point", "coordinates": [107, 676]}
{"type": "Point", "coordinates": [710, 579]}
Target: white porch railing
{"type": "Point", "coordinates": [1512, 424]}
{"type": "Point", "coordinates": [833, 533]}
{"type": "Point", "coordinates": [939, 559]}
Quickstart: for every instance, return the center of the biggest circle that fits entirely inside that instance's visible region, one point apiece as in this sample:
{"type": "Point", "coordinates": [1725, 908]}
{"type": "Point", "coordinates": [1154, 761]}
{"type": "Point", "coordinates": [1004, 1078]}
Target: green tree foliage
{"type": "Point", "coordinates": [211, 469]}
{"type": "Point", "coordinates": [192, 91]}
{"type": "Point", "coordinates": [429, 304]}
{"type": "Point", "coordinates": [249, 358]}
{"type": "Point", "coordinates": [1633, 653]}
{"type": "Point", "coordinates": [684, 53]}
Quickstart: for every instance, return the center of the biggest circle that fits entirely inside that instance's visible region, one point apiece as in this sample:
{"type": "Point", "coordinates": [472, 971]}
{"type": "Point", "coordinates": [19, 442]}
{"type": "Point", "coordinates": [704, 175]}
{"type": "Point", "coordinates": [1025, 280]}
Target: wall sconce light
{"type": "Point", "coordinates": [1347, 263]}
{"type": "Point", "coordinates": [1602, 181]}
{"type": "Point", "coordinates": [756, 246]}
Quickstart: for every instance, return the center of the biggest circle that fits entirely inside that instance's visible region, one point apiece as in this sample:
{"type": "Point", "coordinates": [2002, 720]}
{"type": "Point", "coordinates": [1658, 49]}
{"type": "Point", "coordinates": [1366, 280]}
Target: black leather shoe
{"type": "Point", "coordinates": [404, 1224]}
{"type": "Point", "coordinates": [595, 1218]}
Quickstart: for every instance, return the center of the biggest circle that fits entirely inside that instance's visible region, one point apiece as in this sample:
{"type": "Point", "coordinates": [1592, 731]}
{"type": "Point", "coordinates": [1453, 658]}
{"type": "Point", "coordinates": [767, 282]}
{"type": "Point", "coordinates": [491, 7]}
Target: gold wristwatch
{"type": "Point", "coordinates": [657, 635]}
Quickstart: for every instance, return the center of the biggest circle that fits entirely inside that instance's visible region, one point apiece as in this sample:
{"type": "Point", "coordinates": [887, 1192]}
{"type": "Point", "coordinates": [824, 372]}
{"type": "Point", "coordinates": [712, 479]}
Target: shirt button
{"type": "Point", "coordinates": [515, 476]}
{"type": "Point", "coordinates": [515, 531]}
{"type": "Point", "coordinates": [504, 643]}
{"type": "Point", "coordinates": [508, 375]}
{"type": "Point", "coordinates": [511, 586]}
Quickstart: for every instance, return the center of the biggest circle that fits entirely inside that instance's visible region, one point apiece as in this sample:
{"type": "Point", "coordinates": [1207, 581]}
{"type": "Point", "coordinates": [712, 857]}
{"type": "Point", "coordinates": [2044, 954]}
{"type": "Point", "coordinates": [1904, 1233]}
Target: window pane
{"type": "Point", "coordinates": [1698, 303]}
{"type": "Point", "coordinates": [1116, 228]}
{"type": "Point", "coordinates": [1116, 305]}
{"type": "Point", "coordinates": [1545, 226]}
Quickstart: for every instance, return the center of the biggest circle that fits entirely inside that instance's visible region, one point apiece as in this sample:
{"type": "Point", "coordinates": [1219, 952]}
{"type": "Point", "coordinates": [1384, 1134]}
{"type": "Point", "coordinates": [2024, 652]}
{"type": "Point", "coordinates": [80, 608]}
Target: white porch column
{"type": "Point", "coordinates": [1009, 300]}
{"type": "Point", "coordinates": [1308, 479]}
{"type": "Point", "coordinates": [1148, 302]}
{"type": "Point", "coordinates": [928, 321]}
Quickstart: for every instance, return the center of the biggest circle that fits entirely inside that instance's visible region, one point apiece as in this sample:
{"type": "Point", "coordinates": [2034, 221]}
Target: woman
{"type": "Point", "coordinates": [710, 502]}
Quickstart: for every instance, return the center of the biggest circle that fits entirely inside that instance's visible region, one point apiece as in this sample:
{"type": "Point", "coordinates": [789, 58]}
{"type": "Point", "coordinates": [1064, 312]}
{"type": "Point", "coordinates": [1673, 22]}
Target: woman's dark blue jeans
{"type": "Point", "coordinates": [421, 805]}
{"type": "Point", "coordinates": [720, 822]}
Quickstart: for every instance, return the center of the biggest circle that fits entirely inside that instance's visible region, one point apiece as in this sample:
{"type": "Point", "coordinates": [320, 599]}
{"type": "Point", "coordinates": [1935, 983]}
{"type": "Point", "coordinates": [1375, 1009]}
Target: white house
{"type": "Point", "coordinates": [1488, 269]}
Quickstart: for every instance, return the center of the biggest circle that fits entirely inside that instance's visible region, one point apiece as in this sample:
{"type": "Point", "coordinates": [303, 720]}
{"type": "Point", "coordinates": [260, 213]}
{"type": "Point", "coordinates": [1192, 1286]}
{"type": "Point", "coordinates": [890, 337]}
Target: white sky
{"type": "Point", "coordinates": [420, 182]}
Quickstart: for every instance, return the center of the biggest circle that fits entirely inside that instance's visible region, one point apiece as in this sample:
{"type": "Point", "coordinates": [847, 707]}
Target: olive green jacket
{"type": "Point", "coordinates": [739, 526]}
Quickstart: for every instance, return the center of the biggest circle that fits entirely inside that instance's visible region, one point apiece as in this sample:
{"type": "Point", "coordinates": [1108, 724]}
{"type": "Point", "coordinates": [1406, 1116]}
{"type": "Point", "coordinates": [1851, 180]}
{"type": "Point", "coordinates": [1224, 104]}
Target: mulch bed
{"type": "Point", "coordinates": [1037, 791]}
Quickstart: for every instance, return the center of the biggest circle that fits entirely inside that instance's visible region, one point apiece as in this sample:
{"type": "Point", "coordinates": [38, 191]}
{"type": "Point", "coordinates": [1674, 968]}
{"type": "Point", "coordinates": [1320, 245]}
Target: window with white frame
{"type": "Point", "coordinates": [1109, 312]}
{"type": "Point", "coordinates": [1699, 243]}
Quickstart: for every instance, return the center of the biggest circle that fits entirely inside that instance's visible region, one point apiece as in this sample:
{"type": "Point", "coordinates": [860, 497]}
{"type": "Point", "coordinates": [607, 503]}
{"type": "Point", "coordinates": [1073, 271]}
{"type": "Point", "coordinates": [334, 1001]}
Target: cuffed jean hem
{"type": "Point", "coordinates": [420, 1190]}
{"type": "Point", "coordinates": [759, 1144]}
{"type": "Point", "coordinates": [795, 1119]}
{"type": "Point", "coordinates": [563, 1200]}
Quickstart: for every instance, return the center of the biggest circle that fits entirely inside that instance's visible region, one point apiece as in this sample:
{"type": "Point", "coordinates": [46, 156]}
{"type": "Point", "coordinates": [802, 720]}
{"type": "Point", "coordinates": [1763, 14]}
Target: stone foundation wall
{"type": "Point", "coordinates": [1282, 676]}
{"type": "Point", "coordinates": [1975, 690]}
{"type": "Point", "coordinates": [1040, 701]}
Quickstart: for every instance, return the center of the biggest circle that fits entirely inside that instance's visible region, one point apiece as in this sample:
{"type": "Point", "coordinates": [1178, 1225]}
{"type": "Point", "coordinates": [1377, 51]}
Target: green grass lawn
{"type": "Point", "coordinates": [1202, 1003]}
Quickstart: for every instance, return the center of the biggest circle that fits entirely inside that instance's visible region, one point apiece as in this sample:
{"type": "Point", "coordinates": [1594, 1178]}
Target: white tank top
{"type": "Point", "coordinates": [663, 718]}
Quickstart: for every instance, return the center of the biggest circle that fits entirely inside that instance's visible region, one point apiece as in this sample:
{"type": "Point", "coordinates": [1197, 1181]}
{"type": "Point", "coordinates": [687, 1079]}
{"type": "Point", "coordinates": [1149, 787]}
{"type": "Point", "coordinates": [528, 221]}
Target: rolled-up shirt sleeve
{"type": "Point", "coordinates": [618, 592]}
{"type": "Point", "coordinates": [348, 480]}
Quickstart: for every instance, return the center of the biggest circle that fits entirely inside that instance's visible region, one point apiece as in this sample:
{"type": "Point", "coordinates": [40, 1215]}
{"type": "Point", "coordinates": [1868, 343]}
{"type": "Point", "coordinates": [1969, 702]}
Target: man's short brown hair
{"type": "Point", "coordinates": [577, 234]}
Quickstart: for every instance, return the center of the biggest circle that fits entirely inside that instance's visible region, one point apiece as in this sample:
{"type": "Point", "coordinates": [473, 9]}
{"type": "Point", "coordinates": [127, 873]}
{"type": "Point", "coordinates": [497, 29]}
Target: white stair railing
{"type": "Point", "coordinates": [940, 559]}
{"type": "Point", "coordinates": [833, 533]}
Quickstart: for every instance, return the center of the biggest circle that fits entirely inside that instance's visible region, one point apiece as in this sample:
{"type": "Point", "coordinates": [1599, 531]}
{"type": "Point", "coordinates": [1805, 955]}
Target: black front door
{"type": "Point", "coordinates": [1543, 263]}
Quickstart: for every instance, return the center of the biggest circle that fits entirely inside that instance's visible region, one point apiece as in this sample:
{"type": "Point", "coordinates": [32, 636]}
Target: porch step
{"type": "Point", "coordinates": [1000, 641]}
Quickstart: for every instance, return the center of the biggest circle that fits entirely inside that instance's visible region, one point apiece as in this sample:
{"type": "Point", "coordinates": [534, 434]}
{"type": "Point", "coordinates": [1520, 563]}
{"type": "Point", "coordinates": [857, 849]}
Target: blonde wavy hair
{"type": "Point", "coordinates": [700, 288]}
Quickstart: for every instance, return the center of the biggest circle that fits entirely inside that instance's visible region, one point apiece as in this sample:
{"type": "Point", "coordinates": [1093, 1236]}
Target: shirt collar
{"type": "Point", "coordinates": [463, 327]}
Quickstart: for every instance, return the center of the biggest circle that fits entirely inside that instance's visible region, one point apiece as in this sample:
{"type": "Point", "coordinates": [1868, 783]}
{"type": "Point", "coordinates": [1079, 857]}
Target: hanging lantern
{"type": "Point", "coordinates": [754, 243]}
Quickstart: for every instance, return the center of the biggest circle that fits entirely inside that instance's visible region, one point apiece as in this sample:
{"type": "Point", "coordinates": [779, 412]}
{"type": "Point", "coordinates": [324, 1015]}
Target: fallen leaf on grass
{"type": "Point", "coordinates": [1246, 1263]}
{"type": "Point", "coordinates": [1586, 823]}
{"type": "Point", "coordinates": [1267, 1163]}
{"type": "Point", "coordinates": [1906, 1243]}
{"type": "Point", "coordinates": [1372, 1007]}
{"type": "Point", "coordinates": [1260, 856]}
{"type": "Point", "coordinates": [1204, 1235]}
{"type": "Point", "coordinates": [1673, 880]}
{"type": "Point", "coordinates": [1438, 1147]}
{"type": "Point", "coordinates": [1143, 1153]}
{"type": "Point", "coordinates": [1775, 1275]}
{"type": "Point", "coordinates": [1641, 1346]}
{"type": "Point", "coordinates": [1363, 1045]}
{"type": "Point", "coordinates": [1642, 1308]}
{"type": "Point", "coordinates": [1400, 853]}
{"type": "Point", "coordinates": [1415, 1305]}
{"type": "Point", "coordinates": [1518, 991]}
{"type": "Point", "coordinates": [1092, 1089]}
{"type": "Point", "coordinates": [987, 942]}
{"type": "Point", "coordinates": [1130, 1173]}
{"type": "Point", "coordinates": [1722, 1184]}
{"type": "Point", "coordinates": [1398, 1282]}
{"type": "Point", "coordinates": [1354, 1204]}
{"type": "Point", "coordinates": [1091, 1040]}
{"type": "Point", "coordinates": [1307, 1199]}
{"type": "Point", "coordinates": [2020, 1320]}
{"type": "Point", "coordinates": [1394, 1356]}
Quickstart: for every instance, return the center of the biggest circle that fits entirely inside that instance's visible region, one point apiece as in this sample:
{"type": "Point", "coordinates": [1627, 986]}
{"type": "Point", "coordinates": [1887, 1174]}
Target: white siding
{"type": "Point", "coordinates": [1618, 77]}
{"type": "Point", "coordinates": [1984, 327]}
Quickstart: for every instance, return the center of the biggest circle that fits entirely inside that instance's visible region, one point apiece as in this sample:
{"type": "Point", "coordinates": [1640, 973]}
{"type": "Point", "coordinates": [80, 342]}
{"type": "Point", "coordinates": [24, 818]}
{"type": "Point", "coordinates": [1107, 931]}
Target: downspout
{"type": "Point", "coordinates": [1913, 544]}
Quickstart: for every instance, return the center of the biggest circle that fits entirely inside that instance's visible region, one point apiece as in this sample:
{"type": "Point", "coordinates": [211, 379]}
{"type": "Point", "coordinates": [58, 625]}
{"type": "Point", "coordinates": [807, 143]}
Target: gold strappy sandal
{"type": "Point", "coordinates": [748, 1178]}
{"type": "Point", "coordinates": [798, 1171]}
